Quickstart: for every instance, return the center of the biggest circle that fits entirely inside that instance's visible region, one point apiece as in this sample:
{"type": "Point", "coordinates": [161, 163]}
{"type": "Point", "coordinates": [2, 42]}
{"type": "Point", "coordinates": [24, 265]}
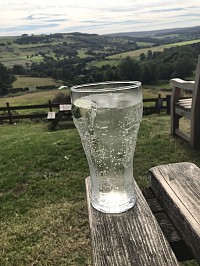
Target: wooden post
{"type": "Point", "coordinates": [159, 104]}
{"type": "Point", "coordinates": [9, 113]}
{"type": "Point", "coordinates": [168, 100]}
{"type": "Point", "coordinates": [50, 106]}
{"type": "Point", "coordinates": [195, 110]}
{"type": "Point", "coordinates": [176, 93]}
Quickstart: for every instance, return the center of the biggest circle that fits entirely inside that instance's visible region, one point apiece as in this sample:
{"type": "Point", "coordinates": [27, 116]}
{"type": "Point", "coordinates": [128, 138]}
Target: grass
{"type": "Point", "coordinates": [40, 97]}
{"type": "Point", "coordinates": [82, 53]}
{"type": "Point", "coordinates": [136, 53]}
{"type": "Point", "coordinates": [43, 203]}
{"type": "Point", "coordinates": [26, 81]}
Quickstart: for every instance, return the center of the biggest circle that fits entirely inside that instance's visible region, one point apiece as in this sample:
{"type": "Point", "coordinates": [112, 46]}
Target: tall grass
{"type": "Point", "coordinates": [43, 217]}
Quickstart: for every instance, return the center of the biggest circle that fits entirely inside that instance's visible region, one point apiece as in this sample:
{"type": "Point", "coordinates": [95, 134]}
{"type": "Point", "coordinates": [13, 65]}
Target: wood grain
{"type": "Point", "coordinates": [178, 188]}
{"type": "Point", "coordinates": [130, 238]}
{"type": "Point", "coordinates": [189, 108]}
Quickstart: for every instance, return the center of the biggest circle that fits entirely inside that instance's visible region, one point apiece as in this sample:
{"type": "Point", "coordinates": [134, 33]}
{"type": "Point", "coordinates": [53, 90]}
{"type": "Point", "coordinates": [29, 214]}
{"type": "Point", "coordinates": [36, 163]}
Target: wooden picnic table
{"type": "Point", "coordinates": [136, 237]}
{"type": "Point", "coordinates": [64, 114]}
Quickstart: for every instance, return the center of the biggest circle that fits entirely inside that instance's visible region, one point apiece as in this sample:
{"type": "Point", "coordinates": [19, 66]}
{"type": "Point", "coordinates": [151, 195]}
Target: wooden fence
{"type": "Point", "coordinates": [8, 113]}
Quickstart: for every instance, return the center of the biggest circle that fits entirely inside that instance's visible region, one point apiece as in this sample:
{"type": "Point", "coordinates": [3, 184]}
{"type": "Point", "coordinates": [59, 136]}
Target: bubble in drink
{"type": "Point", "coordinates": [108, 125]}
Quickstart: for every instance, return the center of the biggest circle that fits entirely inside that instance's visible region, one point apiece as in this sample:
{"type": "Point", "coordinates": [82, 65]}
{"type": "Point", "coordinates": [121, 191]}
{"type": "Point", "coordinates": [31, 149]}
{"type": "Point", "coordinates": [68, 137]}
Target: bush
{"type": "Point", "coordinates": [62, 98]}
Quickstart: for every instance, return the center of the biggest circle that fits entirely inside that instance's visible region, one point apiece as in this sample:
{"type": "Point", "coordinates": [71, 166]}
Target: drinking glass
{"type": "Point", "coordinates": [107, 116]}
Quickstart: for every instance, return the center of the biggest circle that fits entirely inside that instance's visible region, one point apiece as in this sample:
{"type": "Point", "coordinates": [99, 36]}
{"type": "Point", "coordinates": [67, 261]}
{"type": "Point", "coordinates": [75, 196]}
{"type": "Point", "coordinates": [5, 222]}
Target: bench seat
{"type": "Point", "coordinates": [177, 186]}
{"type": "Point", "coordinates": [51, 115]}
{"type": "Point", "coordinates": [130, 238]}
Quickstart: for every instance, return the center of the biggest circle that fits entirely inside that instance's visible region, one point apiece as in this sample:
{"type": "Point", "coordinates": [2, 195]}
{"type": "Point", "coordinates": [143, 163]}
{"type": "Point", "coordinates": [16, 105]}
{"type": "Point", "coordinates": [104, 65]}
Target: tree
{"type": "Point", "coordinates": [6, 79]}
{"type": "Point", "coordinates": [149, 55]}
{"type": "Point", "coordinates": [129, 69]}
{"type": "Point", "coordinates": [150, 72]}
{"type": "Point", "coordinates": [19, 70]}
{"type": "Point", "coordinates": [142, 57]}
{"type": "Point", "coordinates": [184, 66]}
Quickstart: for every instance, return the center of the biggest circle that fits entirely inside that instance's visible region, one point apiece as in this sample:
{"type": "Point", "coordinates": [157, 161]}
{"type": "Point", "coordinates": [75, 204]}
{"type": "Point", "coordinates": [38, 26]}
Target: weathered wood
{"type": "Point", "coordinates": [51, 115]}
{"type": "Point", "coordinates": [195, 110]}
{"type": "Point", "coordinates": [130, 238]}
{"type": "Point", "coordinates": [9, 113]}
{"type": "Point", "coordinates": [185, 104]}
{"type": "Point", "coordinates": [182, 113]}
{"type": "Point", "coordinates": [178, 188]}
{"type": "Point", "coordinates": [189, 108]}
{"type": "Point", "coordinates": [173, 237]}
{"type": "Point", "coordinates": [65, 107]}
{"type": "Point", "coordinates": [182, 135]}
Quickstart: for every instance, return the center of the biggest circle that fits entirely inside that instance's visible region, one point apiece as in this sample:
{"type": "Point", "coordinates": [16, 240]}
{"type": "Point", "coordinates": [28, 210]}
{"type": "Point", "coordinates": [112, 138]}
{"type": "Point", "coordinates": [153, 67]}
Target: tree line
{"type": "Point", "coordinates": [152, 67]}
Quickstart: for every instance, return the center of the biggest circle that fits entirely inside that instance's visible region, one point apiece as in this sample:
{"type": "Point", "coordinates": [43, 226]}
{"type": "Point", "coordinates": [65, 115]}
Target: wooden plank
{"type": "Point", "coordinates": [177, 244]}
{"type": "Point", "coordinates": [189, 100]}
{"type": "Point", "coordinates": [178, 188]}
{"type": "Point", "coordinates": [65, 107]}
{"type": "Point", "coordinates": [185, 104]}
{"type": "Point", "coordinates": [51, 115]}
{"type": "Point", "coordinates": [182, 135]}
{"type": "Point", "coordinates": [182, 112]}
{"type": "Point", "coordinates": [130, 238]}
{"type": "Point", "coordinates": [195, 111]}
{"type": "Point", "coordinates": [35, 106]}
{"type": "Point", "coordinates": [182, 84]}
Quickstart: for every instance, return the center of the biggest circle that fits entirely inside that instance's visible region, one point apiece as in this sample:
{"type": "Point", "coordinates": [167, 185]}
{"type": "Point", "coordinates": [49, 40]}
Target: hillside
{"type": "Point", "coordinates": [78, 58]}
{"type": "Point", "coordinates": [25, 49]}
{"type": "Point", "coordinates": [188, 31]}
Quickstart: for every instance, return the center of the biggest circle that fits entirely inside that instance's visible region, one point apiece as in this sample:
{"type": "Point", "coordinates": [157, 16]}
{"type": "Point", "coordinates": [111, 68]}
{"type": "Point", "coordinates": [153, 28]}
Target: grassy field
{"type": "Point", "coordinates": [114, 60]}
{"type": "Point", "coordinates": [40, 97]}
{"type": "Point", "coordinates": [43, 203]}
{"type": "Point", "coordinates": [26, 81]}
{"type": "Point", "coordinates": [136, 53]}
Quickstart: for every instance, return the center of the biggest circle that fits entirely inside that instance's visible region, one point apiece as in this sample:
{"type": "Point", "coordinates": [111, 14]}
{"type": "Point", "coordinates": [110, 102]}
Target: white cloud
{"type": "Point", "coordinates": [95, 16]}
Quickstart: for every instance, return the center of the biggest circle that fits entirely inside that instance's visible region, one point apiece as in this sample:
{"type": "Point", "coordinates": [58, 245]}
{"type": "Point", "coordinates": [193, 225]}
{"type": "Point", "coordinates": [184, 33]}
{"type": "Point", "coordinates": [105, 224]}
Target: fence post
{"type": "Point", "coordinates": [159, 103]}
{"type": "Point", "coordinates": [50, 106]}
{"type": "Point", "coordinates": [9, 113]}
{"type": "Point", "coordinates": [168, 100]}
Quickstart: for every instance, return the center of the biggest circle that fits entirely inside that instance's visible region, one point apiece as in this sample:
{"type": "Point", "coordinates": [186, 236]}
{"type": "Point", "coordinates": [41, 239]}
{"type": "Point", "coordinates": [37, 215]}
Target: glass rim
{"type": "Point", "coordinates": [90, 87]}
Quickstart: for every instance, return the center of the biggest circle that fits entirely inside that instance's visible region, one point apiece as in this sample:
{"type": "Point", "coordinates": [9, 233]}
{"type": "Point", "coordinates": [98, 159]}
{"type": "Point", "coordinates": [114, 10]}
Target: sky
{"type": "Point", "coordinates": [95, 16]}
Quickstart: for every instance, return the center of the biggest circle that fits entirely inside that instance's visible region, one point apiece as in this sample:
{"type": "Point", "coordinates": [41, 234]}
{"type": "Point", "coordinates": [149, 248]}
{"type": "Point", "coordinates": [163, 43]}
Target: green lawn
{"type": "Point", "coordinates": [43, 203]}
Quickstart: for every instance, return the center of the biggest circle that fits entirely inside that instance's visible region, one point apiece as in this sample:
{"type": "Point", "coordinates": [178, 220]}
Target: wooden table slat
{"type": "Point", "coordinates": [130, 238]}
{"type": "Point", "coordinates": [178, 188]}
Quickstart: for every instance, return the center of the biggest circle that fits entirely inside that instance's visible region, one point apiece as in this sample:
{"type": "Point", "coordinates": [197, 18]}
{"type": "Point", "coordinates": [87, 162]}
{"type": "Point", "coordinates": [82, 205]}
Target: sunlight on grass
{"type": "Point", "coordinates": [40, 97]}
{"type": "Point", "coordinates": [160, 48]}
{"type": "Point", "coordinates": [44, 217]}
{"type": "Point", "coordinates": [26, 81]}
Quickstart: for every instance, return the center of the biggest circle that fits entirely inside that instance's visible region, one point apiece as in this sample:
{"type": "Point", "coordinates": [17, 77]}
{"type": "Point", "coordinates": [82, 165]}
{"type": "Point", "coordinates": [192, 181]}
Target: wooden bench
{"type": "Point", "coordinates": [51, 115]}
{"type": "Point", "coordinates": [64, 107]}
{"type": "Point", "coordinates": [64, 114]}
{"type": "Point", "coordinates": [143, 235]}
{"type": "Point", "coordinates": [177, 186]}
{"type": "Point", "coordinates": [130, 238]}
{"type": "Point", "coordinates": [189, 108]}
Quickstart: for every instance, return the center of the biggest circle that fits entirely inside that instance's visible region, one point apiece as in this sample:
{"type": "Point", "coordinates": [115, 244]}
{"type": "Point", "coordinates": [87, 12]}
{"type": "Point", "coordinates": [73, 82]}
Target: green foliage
{"type": "Point", "coordinates": [62, 98]}
{"type": "Point", "coordinates": [19, 70]}
{"type": "Point", "coordinates": [6, 79]}
{"type": "Point", "coordinates": [77, 58]}
{"type": "Point", "coordinates": [129, 69]}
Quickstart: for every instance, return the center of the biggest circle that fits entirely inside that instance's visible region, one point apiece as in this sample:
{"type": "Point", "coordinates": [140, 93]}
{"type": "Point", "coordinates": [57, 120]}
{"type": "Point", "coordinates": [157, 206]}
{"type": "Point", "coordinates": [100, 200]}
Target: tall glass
{"type": "Point", "coordinates": [107, 116]}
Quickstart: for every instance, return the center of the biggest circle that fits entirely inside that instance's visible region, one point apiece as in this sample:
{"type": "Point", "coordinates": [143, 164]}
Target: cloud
{"type": "Point", "coordinates": [95, 16]}
{"type": "Point", "coordinates": [28, 27]}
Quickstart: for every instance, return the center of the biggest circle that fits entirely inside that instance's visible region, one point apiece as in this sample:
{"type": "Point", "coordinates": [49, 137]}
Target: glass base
{"type": "Point", "coordinates": [114, 209]}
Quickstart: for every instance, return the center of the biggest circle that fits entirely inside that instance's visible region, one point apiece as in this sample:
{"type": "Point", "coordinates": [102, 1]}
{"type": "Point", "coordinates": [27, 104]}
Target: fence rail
{"type": "Point", "coordinates": [7, 114]}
